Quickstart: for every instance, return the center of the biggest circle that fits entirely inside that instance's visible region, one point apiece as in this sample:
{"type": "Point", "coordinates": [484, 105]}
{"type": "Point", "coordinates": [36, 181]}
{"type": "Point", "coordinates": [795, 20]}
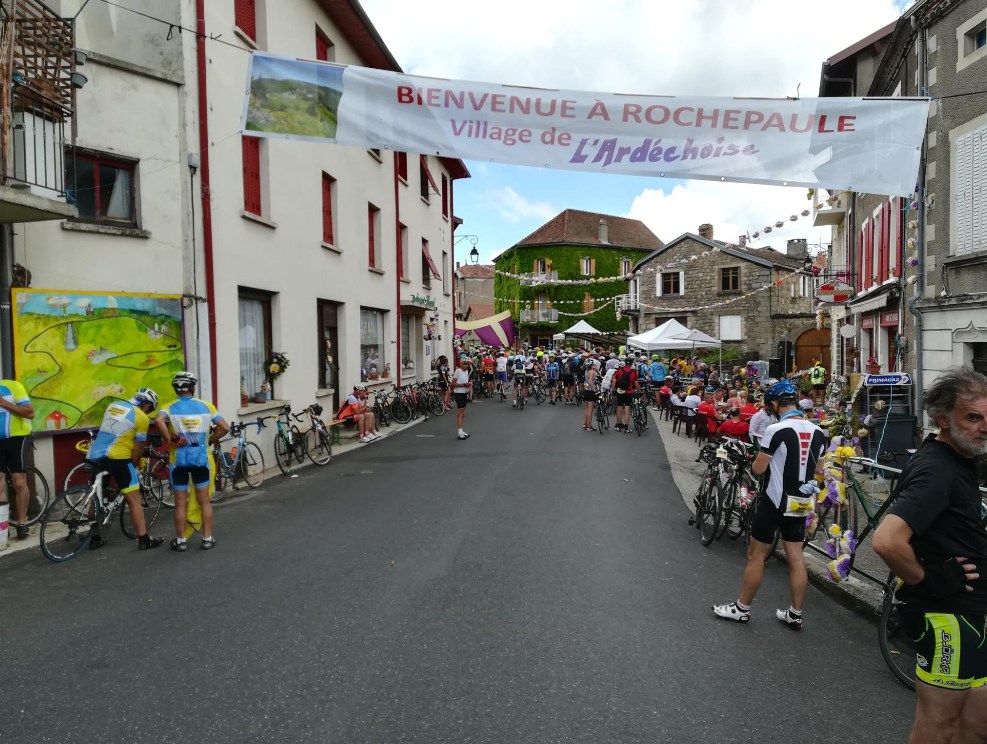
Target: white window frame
{"type": "Point", "coordinates": [542, 266]}
{"type": "Point", "coordinates": [968, 208]}
{"type": "Point", "coordinates": [722, 332]}
{"type": "Point", "coordinates": [586, 266]}
{"type": "Point", "coordinates": [965, 55]}
{"type": "Point", "coordinates": [625, 266]}
{"type": "Point", "coordinates": [659, 282]}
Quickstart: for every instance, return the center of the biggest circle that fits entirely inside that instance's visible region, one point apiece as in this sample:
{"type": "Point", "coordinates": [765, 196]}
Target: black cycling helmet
{"type": "Point", "coordinates": [781, 392]}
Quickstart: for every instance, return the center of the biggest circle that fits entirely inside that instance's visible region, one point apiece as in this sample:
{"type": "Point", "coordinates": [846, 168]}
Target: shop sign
{"type": "Point", "coordinates": [867, 321]}
{"type": "Point", "coordinates": [426, 301]}
{"type": "Point", "coordinates": [889, 318]}
{"type": "Point", "coordinates": [835, 292]}
{"type": "Point", "coordinates": [895, 378]}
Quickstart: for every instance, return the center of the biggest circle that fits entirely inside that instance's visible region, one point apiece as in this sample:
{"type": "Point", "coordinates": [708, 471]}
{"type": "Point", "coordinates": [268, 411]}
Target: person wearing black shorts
{"type": "Point", "coordinates": [791, 452]}
{"type": "Point", "coordinates": [933, 539]}
{"type": "Point", "coordinates": [461, 386]}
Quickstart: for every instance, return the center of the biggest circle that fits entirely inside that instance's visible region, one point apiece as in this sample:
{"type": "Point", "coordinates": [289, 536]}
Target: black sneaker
{"type": "Point", "coordinates": [23, 533]}
{"type": "Point", "coordinates": [97, 541]}
{"type": "Point", "coordinates": [150, 543]}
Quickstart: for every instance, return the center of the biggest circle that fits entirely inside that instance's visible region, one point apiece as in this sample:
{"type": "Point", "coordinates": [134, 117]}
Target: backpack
{"type": "Point", "coordinates": [622, 378]}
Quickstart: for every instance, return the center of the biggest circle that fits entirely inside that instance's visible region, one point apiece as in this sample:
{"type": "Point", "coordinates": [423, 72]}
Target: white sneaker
{"type": "Point", "coordinates": [732, 612]}
{"type": "Point", "coordinates": [365, 440]}
{"type": "Point", "coordinates": [463, 435]}
{"type": "Point", "coordinates": [793, 622]}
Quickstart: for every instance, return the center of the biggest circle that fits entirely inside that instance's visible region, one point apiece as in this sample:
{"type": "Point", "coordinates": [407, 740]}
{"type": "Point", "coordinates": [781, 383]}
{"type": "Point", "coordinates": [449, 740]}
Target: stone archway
{"type": "Point", "coordinates": [812, 345]}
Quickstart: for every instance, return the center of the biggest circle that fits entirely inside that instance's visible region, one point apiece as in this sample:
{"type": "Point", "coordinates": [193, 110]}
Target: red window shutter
{"type": "Point", "coordinates": [868, 252]}
{"type": "Point", "coordinates": [246, 17]}
{"type": "Point", "coordinates": [327, 235]}
{"type": "Point", "coordinates": [884, 251]}
{"type": "Point", "coordinates": [251, 175]}
{"type": "Point", "coordinates": [899, 242]}
{"type": "Point", "coordinates": [372, 263]}
{"type": "Point", "coordinates": [321, 47]}
{"type": "Point", "coordinates": [861, 248]}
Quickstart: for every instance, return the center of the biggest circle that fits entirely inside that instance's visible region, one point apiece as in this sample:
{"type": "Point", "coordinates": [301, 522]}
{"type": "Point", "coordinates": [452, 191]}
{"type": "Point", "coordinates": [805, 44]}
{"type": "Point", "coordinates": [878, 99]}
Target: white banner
{"type": "Point", "coordinates": [869, 145]}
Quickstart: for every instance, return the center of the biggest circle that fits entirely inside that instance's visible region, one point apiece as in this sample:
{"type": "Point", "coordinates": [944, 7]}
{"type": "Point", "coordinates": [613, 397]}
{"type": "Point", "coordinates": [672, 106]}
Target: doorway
{"type": "Point", "coordinates": [813, 345]}
{"type": "Point", "coordinates": [328, 340]}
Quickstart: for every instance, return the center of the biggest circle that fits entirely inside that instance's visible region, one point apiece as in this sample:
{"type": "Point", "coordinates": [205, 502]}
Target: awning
{"type": "Point", "coordinates": [872, 301]}
{"type": "Point", "coordinates": [431, 263]}
{"type": "Point", "coordinates": [428, 174]}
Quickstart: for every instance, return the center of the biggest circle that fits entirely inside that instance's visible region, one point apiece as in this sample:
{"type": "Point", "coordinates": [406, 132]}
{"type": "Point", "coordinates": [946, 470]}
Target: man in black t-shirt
{"type": "Point", "coordinates": [934, 540]}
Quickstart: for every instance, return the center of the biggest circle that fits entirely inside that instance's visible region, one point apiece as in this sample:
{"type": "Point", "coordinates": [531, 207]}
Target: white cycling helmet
{"type": "Point", "coordinates": [145, 395]}
{"type": "Point", "coordinates": [184, 382]}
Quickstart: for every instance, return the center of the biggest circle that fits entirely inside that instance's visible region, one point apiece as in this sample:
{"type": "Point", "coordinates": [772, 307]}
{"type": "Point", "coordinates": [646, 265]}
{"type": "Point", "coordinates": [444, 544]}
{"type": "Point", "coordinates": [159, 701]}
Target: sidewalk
{"type": "Point", "coordinates": [861, 595]}
{"type": "Point", "coordinates": [271, 477]}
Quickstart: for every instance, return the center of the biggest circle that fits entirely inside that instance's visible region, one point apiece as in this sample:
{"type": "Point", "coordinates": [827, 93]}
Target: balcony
{"type": "Point", "coordinates": [830, 210]}
{"type": "Point", "coordinates": [627, 303]}
{"type": "Point", "coordinates": [533, 280]}
{"type": "Point", "coordinates": [40, 90]}
{"type": "Point", "coordinates": [539, 315]}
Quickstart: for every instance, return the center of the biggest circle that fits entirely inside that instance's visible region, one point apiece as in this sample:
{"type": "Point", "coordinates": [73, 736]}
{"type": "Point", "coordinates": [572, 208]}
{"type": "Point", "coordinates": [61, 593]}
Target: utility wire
{"type": "Point", "coordinates": [171, 26]}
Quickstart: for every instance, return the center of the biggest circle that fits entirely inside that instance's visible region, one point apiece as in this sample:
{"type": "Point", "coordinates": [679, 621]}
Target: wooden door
{"type": "Point", "coordinates": [813, 345]}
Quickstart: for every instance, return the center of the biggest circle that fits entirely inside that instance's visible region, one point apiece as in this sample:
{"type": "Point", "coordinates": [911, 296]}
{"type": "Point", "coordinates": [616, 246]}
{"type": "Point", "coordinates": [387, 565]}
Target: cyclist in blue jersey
{"type": "Point", "coordinates": [552, 378]}
{"type": "Point", "coordinates": [185, 422]}
{"type": "Point", "coordinates": [16, 413]}
{"type": "Point", "coordinates": [657, 374]}
{"type": "Point", "coordinates": [118, 449]}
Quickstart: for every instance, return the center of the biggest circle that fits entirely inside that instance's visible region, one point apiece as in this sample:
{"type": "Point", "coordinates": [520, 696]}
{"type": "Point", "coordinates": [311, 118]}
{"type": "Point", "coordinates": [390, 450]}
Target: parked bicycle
{"type": "Point", "coordinates": [318, 438]}
{"type": "Point", "coordinates": [289, 444]}
{"type": "Point", "coordinates": [37, 486]}
{"type": "Point", "coordinates": [243, 462]}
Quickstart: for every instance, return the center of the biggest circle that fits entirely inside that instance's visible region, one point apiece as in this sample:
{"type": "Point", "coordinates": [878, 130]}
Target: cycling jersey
{"type": "Point", "coordinates": [552, 371]}
{"type": "Point", "coordinates": [123, 425]}
{"type": "Point", "coordinates": [488, 365]}
{"type": "Point", "coordinates": [11, 425]}
{"type": "Point", "coordinates": [795, 445]}
{"type": "Point", "coordinates": [190, 418]}
{"type": "Point", "coordinates": [501, 364]}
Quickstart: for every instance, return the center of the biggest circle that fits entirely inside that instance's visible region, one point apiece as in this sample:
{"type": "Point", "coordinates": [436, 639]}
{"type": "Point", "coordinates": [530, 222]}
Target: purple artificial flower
{"type": "Point", "coordinates": [855, 440]}
{"type": "Point", "coordinates": [843, 566]}
{"type": "Point", "coordinates": [829, 548]}
{"type": "Point", "coordinates": [850, 542]}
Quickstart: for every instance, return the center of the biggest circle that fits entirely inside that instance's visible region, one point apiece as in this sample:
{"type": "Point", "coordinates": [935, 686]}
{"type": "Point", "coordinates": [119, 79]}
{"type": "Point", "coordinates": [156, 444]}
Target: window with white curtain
{"type": "Point", "coordinates": [407, 345]}
{"type": "Point", "coordinates": [255, 339]}
{"type": "Point", "coordinates": [101, 187]}
{"type": "Point", "coordinates": [373, 364]}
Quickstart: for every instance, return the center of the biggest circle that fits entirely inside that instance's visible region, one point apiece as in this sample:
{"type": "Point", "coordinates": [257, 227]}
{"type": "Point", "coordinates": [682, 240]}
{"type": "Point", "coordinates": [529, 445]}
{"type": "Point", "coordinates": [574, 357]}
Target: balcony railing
{"type": "Point", "coordinates": [829, 209]}
{"type": "Point", "coordinates": [534, 279]}
{"type": "Point", "coordinates": [32, 152]}
{"type": "Point", "coordinates": [627, 302]}
{"type": "Point", "coordinates": [539, 315]}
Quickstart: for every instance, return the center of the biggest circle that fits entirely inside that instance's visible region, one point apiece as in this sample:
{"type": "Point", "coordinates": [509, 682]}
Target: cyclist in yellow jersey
{"type": "Point", "coordinates": [15, 414]}
{"type": "Point", "coordinates": [185, 423]}
{"type": "Point", "coordinates": [118, 449]}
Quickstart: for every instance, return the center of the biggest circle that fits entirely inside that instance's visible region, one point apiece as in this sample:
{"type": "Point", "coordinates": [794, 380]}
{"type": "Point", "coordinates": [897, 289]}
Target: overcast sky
{"type": "Point", "coordinates": [693, 47]}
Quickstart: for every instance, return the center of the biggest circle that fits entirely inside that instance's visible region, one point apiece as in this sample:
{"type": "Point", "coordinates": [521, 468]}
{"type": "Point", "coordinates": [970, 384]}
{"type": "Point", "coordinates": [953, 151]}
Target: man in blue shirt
{"type": "Point", "coordinates": [552, 378]}
{"type": "Point", "coordinates": [657, 374]}
{"type": "Point", "coordinates": [186, 422]}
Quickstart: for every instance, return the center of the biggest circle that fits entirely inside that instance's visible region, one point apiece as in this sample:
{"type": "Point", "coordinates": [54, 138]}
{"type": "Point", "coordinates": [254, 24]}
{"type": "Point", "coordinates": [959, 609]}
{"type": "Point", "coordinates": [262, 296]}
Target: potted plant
{"type": "Point", "coordinates": [274, 367]}
{"type": "Point", "coordinates": [873, 366]}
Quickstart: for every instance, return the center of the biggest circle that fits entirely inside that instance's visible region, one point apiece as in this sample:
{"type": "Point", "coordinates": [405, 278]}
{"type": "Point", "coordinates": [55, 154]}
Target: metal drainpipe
{"type": "Point", "coordinates": [398, 363]}
{"type": "Point", "coordinates": [919, 285]}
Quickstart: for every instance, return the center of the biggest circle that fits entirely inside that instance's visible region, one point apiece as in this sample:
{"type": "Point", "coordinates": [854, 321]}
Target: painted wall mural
{"type": "Point", "coordinates": [76, 352]}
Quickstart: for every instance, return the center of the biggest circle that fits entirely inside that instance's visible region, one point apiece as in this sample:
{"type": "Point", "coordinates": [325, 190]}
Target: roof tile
{"type": "Point", "coordinates": [576, 227]}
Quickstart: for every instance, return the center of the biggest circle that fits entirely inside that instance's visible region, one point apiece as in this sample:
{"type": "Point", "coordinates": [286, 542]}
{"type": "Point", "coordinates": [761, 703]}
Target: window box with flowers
{"type": "Point", "coordinates": [274, 366]}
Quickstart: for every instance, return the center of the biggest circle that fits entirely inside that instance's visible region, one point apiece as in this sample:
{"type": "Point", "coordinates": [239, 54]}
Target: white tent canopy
{"type": "Point", "coordinates": [697, 339]}
{"type": "Point", "coordinates": [658, 338]}
{"type": "Point", "coordinates": [584, 328]}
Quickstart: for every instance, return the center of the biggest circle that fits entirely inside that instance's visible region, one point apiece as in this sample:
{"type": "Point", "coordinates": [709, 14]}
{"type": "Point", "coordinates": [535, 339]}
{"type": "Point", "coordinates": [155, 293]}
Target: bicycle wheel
{"type": "Point", "coordinates": [318, 447]}
{"type": "Point", "coordinates": [282, 452]}
{"type": "Point", "coordinates": [539, 393]}
{"type": "Point", "coordinates": [400, 411]}
{"type": "Point", "coordinates": [750, 520]}
{"type": "Point", "coordinates": [80, 475]}
{"type": "Point", "coordinates": [897, 649]}
{"type": "Point", "coordinates": [736, 515]}
{"type": "Point", "coordinates": [435, 404]}
{"type": "Point", "coordinates": [298, 444]}
{"type": "Point", "coordinates": [37, 486]}
{"type": "Point", "coordinates": [251, 465]}
{"type": "Point", "coordinates": [69, 523]}
{"type": "Point", "coordinates": [846, 518]}
{"type": "Point", "coordinates": [150, 501]}
{"type": "Point", "coordinates": [712, 512]}
{"type": "Point", "coordinates": [638, 422]}
{"type": "Point", "coordinates": [601, 420]}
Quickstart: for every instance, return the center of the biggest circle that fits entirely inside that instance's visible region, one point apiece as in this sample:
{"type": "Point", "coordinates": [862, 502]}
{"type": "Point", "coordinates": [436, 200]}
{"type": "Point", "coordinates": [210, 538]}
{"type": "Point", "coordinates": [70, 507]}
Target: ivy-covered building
{"type": "Point", "coordinates": [574, 246]}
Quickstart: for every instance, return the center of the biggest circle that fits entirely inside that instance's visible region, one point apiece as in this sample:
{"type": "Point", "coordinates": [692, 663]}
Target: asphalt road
{"type": "Point", "coordinates": [534, 583]}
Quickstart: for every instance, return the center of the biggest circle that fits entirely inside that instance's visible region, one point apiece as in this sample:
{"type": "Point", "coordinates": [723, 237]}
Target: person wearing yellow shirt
{"type": "Point", "coordinates": [16, 413]}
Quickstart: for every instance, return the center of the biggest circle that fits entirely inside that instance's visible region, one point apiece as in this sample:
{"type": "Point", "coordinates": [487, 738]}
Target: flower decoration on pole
{"type": "Point", "coordinates": [275, 365]}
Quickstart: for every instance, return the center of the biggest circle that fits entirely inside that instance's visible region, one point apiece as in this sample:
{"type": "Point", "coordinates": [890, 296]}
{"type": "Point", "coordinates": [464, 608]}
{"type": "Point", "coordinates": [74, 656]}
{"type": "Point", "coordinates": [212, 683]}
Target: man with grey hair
{"type": "Point", "coordinates": [934, 540]}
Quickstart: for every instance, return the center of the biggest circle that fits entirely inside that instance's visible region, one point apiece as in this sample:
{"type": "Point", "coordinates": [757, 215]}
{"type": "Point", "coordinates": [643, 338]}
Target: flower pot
{"type": "Point", "coordinates": [244, 399]}
{"type": "Point", "coordinates": [874, 369]}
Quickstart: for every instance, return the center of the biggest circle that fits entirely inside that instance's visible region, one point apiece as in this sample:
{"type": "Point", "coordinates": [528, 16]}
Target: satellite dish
{"type": "Point", "coordinates": [848, 330]}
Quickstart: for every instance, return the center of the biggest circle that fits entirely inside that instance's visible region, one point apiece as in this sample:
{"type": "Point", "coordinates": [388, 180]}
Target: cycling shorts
{"type": "Point", "coordinates": [12, 454]}
{"type": "Point", "coordinates": [769, 518]}
{"type": "Point", "coordinates": [520, 379]}
{"type": "Point", "coordinates": [551, 383]}
{"type": "Point", "coordinates": [624, 399]}
{"type": "Point", "coordinates": [502, 376]}
{"type": "Point", "coordinates": [123, 471]}
{"type": "Point", "coordinates": [488, 376]}
{"type": "Point", "coordinates": [950, 651]}
{"type": "Point", "coordinates": [568, 379]}
{"type": "Point", "coordinates": [461, 399]}
{"type": "Point", "coordinates": [589, 396]}
{"type": "Point", "coordinates": [180, 476]}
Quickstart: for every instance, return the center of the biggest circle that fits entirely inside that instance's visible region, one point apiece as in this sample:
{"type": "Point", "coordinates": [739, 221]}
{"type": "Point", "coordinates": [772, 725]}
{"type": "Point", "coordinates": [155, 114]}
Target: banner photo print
{"type": "Point", "coordinates": [864, 145]}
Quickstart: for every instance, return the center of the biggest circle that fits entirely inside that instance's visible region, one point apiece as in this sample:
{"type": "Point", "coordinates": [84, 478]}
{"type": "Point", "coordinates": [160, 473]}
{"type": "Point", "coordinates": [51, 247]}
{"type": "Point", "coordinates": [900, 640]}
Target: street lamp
{"type": "Point", "coordinates": [474, 256]}
{"type": "Point", "coordinates": [474, 253]}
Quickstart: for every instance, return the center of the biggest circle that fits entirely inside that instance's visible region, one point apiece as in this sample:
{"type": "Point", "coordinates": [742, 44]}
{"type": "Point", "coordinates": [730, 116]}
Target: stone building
{"type": "Point", "coordinates": [574, 265]}
{"type": "Point", "coordinates": [755, 300]}
{"type": "Point", "coordinates": [473, 285]}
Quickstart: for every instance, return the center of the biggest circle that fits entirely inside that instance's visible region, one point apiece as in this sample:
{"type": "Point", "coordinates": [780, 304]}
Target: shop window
{"type": "Point", "coordinates": [407, 345]}
{"type": "Point", "coordinates": [372, 359]}
{"type": "Point", "coordinates": [255, 339]}
{"type": "Point", "coordinates": [101, 187]}
{"type": "Point", "coordinates": [730, 279]}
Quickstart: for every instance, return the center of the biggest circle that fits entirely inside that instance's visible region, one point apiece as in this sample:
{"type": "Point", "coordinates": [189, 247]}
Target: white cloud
{"type": "Point", "coordinates": [732, 209]}
{"type": "Point", "coordinates": [515, 208]}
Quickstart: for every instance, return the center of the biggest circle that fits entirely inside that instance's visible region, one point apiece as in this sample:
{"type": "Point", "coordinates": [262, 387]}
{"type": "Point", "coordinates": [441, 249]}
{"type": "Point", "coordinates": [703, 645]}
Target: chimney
{"type": "Point", "coordinates": [457, 265]}
{"type": "Point", "coordinates": [798, 248]}
{"type": "Point", "coordinates": [706, 231]}
{"type": "Point", "coordinates": [604, 232]}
